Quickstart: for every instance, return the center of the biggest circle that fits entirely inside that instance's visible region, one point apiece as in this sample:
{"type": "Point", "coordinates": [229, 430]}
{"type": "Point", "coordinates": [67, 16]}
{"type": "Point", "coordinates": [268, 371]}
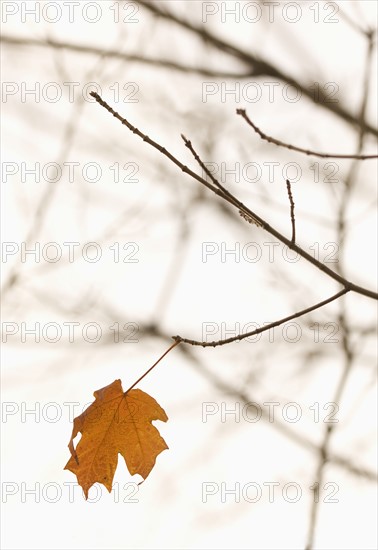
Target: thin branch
{"type": "Point", "coordinates": [261, 329]}
{"type": "Point", "coordinates": [188, 144]}
{"type": "Point", "coordinates": [292, 217]}
{"type": "Point", "coordinates": [259, 66]}
{"type": "Point", "coordinates": [238, 204]}
{"type": "Point", "coordinates": [347, 349]}
{"type": "Point", "coordinates": [279, 143]}
{"type": "Point", "coordinates": [117, 54]}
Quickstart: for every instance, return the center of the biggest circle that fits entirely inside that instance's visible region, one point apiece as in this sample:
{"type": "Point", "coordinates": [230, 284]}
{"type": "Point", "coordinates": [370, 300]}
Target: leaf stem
{"type": "Point", "coordinates": [176, 343]}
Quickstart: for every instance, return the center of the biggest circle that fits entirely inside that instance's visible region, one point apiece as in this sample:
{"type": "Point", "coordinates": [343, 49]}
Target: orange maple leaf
{"type": "Point", "coordinates": [116, 422]}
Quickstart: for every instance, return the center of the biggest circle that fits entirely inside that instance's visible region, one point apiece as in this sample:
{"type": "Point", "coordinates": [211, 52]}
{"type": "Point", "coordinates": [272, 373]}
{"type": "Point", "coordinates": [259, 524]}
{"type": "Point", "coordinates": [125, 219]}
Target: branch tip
{"type": "Point", "coordinates": [285, 145]}
{"type": "Point", "coordinates": [292, 217]}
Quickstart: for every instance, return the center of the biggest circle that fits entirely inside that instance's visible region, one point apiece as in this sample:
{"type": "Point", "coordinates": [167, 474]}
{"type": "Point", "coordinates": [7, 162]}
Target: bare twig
{"type": "Point", "coordinates": [279, 143]}
{"type": "Point", "coordinates": [239, 205]}
{"type": "Point", "coordinates": [288, 185]}
{"type": "Point", "coordinates": [261, 329]}
{"type": "Point", "coordinates": [249, 219]}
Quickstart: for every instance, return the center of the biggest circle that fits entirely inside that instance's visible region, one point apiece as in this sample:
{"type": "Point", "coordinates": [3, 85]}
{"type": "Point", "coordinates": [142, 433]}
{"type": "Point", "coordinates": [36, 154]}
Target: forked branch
{"type": "Point", "coordinates": [244, 210]}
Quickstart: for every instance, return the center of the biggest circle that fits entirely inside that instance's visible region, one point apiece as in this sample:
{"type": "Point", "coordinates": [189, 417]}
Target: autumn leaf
{"type": "Point", "coordinates": [116, 422]}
